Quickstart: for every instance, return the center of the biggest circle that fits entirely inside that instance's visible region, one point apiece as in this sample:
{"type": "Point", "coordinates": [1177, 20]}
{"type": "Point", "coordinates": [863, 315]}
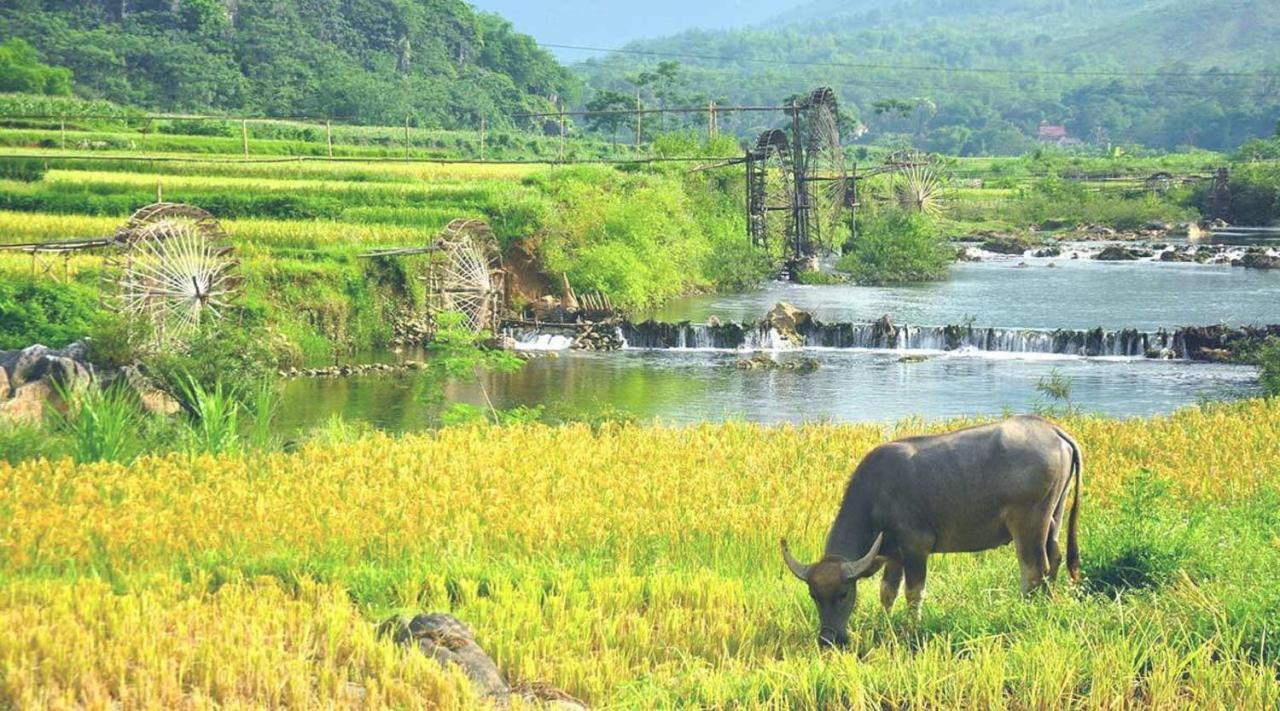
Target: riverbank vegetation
{"type": "Point", "coordinates": [258, 579]}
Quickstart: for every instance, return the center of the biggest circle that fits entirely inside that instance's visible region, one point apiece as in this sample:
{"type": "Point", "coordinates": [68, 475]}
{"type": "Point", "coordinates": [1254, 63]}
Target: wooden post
{"type": "Point", "coordinates": [328, 136]}
{"type": "Point", "coordinates": [481, 138]}
{"type": "Point", "coordinates": [406, 138]}
{"type": "Point", "coordinates": [711, 120]}
{"type": "Point", "coordinates": [563, 130]}
{"type": "Point", "coordinates": [638, 117]}
{"type": "Point", "coordinates": [244, 136]}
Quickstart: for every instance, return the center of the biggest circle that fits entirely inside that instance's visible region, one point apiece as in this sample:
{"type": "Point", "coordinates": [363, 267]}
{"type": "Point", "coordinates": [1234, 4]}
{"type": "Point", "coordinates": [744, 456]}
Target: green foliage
{"type": "Point", "coordinates": [102, 424]}
{"type": "Point", "coordinates": [22, 72]}
{"type": "Point", "coordinates": [895, 247]}
{"type": "Point", "coordinates": [35, 310]}
{"type": "Point", "coordinates": [1055, 392]}
{"type": "Point", "coordinates": [223, 358]}
{"type": "Point", "coordinates": [1086, 45]}
{"type": "Point", "coordinates": [1255, 195]}
{"type": "Point", "coordinates": [378, 61]}
{"type": "Point", "coordinates": [1146, 544]}
{"type": "Point", "coordinates": [1267, 359]}
{"type": "Point", "coordinates": [1053, 200]}
{"type": "Point", "coordinates": [214, 413]}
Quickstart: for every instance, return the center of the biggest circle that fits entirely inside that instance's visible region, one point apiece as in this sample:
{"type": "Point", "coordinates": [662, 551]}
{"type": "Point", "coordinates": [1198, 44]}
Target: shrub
{"type": "Point", "coordinates": [896, 247]}
{"type": "Point", "coordinates": [34, 310]}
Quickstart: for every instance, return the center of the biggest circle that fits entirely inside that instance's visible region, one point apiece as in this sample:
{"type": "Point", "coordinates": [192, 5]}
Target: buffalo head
{"type": "Point", "coordinates": [832, 584]}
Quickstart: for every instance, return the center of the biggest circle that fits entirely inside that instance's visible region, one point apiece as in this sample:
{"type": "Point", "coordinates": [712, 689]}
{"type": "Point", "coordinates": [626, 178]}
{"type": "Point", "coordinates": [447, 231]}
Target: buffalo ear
{"type": "Point", "coordinates": [798, 569]}
{"type": "Point", "coordinates": [854, 569]}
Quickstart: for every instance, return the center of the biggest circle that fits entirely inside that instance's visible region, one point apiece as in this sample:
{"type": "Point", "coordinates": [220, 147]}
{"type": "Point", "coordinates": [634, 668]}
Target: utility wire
{"type": "Point", "coordinates": [921, 68]}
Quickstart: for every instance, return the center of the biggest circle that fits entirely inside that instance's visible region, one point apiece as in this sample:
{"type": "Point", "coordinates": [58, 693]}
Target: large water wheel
{"type": "Point", "coordinates": [825, 189]}
{"type": "Point", "coordinates": [467, 276]}
{"type": "Point", "coordinates": [172, 269]}
{"type": "Point", "coordinates": [771, 191]}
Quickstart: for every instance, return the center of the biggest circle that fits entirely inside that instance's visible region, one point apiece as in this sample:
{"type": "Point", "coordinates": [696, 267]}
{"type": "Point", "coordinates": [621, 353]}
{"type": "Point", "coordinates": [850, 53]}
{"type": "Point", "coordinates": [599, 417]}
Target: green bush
{"type": "Point", "coordinates": [895, 247]}
{"type": "Point", "coordinates": [35, 310]}
{"type": "Point", "coordinates": [1268, 360]}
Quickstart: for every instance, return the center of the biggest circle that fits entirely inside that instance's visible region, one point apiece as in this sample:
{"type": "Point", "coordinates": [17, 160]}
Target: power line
{"type": "Point", "coordinates": [923, 68]}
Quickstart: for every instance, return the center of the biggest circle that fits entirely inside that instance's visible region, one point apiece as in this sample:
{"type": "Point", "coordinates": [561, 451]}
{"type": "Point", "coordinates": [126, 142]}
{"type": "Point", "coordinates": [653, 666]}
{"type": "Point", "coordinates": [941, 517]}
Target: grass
{"type": "Point", "coordinates": [627, 580]}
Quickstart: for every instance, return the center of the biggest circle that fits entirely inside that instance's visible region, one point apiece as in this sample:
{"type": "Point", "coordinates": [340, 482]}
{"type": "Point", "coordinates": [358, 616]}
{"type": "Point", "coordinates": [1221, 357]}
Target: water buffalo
{"type": "Point", "coordinates": [968, 490]}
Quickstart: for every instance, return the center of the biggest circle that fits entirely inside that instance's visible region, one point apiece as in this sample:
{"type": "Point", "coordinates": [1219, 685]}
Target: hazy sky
{"type": "Point", "coordinates": [612, 23]}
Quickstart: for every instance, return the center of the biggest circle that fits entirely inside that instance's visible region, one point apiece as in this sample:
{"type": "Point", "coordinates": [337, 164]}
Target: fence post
{"type": "Point", "coordinates": [638, 117]}
{"type": "Point", "coordinates": [562, 131]}
{"type": "Point", "coordinates": [244, 136]}
{"type": "Point", "coordinates": [711, 120]}
{"type": "Point", "coordinates": [406, 138]}
{"type": "Point", "coordinates": [481, 138]}
{"type": "Point", "coordinates": [328, 136]}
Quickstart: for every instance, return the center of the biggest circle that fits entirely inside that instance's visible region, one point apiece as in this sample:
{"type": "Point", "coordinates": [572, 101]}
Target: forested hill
{"type": "Point", "coordinates": [1156, 72]}
{"type": "Point", "coordinates": [438, 61]}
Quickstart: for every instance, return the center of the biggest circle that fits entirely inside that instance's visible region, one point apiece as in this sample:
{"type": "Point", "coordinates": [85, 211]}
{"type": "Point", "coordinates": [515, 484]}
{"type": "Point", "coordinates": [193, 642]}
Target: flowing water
{"type": "Point", "coordinates": [1014, 310]}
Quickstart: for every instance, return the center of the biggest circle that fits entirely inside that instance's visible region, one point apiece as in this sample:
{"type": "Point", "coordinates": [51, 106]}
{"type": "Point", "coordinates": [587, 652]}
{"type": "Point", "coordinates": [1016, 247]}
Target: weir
{"type": "Point", "coordinates": [880, 335]}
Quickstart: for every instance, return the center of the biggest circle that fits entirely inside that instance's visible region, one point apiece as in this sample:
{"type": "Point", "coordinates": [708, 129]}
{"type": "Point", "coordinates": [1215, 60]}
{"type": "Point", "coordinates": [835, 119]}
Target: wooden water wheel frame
{"type": "Point", "coordinates": [170, 266]}
{"type": "Point", "coordinates": [823, 184]}
{"type": "Point", "coordinates": [466, 275]}
{"type": "Point", "coordinates": [919, 182]}
{"type": "Point", "coordinates": [771, 190]}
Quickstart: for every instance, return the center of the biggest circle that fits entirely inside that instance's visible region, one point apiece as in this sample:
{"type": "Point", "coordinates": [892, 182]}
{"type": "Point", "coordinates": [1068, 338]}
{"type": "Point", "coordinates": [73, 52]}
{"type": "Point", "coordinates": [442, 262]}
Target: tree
{"type": "Point", "coordinates": [608, 101]}
{"type": "Point", "coordinates": [22, 72]}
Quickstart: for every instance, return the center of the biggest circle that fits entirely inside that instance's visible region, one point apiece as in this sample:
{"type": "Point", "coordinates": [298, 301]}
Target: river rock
{"type": "Point", "coordinates": [1176, 255]}
{"type": "Point", "coordinates": [1119, 254]}
{"type": "Point", "coordinates": [1257, 259]}
{"type": "Point", "coordinates": [1005, 245]}
{"type": "Point", "coordinates": [790, 322]}
{"type": "Point", "coordinates": [1048, 252]}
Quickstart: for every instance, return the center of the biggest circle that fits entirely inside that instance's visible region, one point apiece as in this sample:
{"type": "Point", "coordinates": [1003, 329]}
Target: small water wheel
{"type": "Point", "coordinates": [467, 276]}
{"type": "Point", "coordinates": [919, 182]}
{"type": "Point", "coordinates": [826, 191]}
{"type": "Point", "coordinates": [771, 190]}
{"type": "Point", "coordinates": [171, 269]}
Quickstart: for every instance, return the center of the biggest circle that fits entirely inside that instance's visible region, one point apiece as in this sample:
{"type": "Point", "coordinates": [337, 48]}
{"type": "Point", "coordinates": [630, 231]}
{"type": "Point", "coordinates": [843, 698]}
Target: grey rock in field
{"type": "Point", "coordinates": [4, 384]}
{"type": "Point", "coordinates": [150, 397]}
{"type": "Point", "coordinates": [450, 642]}
{"type": "Point", "coordinates": [21, 365]}
{"type": "Point", "coordinates": [27, 402]}
{"type": "Point", "coordinates": [447, 640]}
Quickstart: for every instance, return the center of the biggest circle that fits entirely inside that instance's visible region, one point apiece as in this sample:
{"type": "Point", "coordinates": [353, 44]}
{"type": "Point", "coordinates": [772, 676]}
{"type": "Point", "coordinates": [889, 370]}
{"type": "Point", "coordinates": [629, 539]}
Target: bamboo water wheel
{"type": "Point", "coordinates": [826, 193]}
{"type": "Point", "coordinates": [919, 183]}
{"type": "Point", "coordinates": [171, 267]}
{"type": "Point", "coordinates": [467, 277]}
{"type": "Point", "coordinates": [771, 191]}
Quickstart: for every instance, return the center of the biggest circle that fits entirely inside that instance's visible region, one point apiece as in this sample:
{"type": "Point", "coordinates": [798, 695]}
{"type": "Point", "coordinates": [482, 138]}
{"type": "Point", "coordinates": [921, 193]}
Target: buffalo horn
{"type": "Point", "coordinates": [855, 569]}
{"type": "Point", "coordinates": [798, 569]}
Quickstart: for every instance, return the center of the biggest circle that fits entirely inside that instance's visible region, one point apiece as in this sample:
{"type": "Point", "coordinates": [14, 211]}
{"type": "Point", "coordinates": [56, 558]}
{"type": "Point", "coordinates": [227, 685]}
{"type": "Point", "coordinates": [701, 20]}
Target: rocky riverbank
{"type": "Point", "coordinates": [34, 378]}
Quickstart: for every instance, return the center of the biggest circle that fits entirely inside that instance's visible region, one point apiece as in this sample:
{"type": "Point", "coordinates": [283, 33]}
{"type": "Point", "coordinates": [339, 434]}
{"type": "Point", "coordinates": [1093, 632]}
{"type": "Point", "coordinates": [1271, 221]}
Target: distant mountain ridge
{"type": "Point", "coordinates": [1067, 62]}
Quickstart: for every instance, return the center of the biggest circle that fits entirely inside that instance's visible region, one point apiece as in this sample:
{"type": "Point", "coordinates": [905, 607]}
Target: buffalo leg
{"type": "Point", "coordinates": [1052, 550]}
{"type": "Point", "coordinates": [914, 566]}
{"type": "Point", "coordinates": [890, 583]}
{"type": "Point", "coordinates": [1029, 536]}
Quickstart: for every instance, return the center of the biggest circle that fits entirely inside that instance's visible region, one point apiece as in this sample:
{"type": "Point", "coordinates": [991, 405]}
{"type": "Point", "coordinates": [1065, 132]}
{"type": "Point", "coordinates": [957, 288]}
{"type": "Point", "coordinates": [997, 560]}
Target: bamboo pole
{"type": "Point", "coordinates": [563, 130]}
{"type": "Point", "coordinates": [328, 136]}
{"type": "Point", "coordinates": [244, 136]}
{"type": "Point", "coordinates": [711, 120]}
{"type": "Point", "coordinates": [482, 138]}
{"type": "Point", "coordinates": [638, 115]}
{"type": "Point", "coordinates": [406, 138]}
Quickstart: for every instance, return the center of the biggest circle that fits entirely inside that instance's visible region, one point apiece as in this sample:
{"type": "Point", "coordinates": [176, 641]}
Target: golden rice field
{"type": "Point", "coordinates": [631, 566]}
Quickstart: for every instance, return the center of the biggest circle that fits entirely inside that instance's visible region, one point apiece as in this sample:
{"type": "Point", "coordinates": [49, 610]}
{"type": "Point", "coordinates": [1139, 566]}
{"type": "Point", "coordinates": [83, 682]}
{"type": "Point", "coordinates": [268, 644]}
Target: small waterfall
{"type": "Point", "coordinates": [653, 335]}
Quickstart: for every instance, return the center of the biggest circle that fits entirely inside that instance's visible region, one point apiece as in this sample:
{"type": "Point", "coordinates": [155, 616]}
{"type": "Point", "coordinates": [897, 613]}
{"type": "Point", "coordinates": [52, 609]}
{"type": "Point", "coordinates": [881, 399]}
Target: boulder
{"type": "Point", "coordinates": [1005, 245]}
{"type": "Point", "coordinates": [1176, 255]}
{"type": "Point", "coordinates": [1257, 259]}
{"type": "Point", "coordinates": [790, 322]}
{"type": "Point", "coordinates": [4, 384]}
{"type": "Point", "coordinates": [27, 402]}
{"type": "Point", "coordinates": [150, 397]}
{"type": "Point", "coordinates": [1048, 252]}
{"type": "Point", "coordinates": [1119, 254]}
{"type": "Point", "coordinates": [447, 640]}
{"type": "Point", "coordinates": [21, 365]}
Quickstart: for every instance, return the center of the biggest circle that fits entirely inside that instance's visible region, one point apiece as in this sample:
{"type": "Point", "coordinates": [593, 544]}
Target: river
{"type": "Point", "coordinates": [868, 385]}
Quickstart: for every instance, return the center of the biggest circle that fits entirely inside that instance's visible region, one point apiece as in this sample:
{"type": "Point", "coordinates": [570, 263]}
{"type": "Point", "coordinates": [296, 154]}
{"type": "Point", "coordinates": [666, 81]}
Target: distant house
{"type": "Point", "coordinates": [1056, 134]}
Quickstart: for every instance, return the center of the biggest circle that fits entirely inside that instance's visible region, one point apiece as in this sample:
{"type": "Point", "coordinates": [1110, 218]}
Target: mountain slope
{"type": "Point", "coordinates": [1006, 66]}
{"type": "Point", "coordinates": [437, 61]}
